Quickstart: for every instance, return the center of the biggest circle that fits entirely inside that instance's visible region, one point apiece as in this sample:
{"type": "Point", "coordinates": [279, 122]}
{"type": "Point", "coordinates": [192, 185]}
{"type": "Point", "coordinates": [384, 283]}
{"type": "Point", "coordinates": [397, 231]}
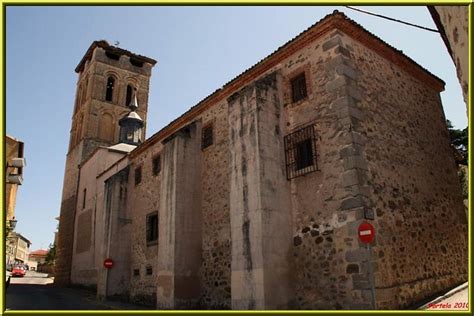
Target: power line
{"type": "Point", "coordinates": [392, 19]}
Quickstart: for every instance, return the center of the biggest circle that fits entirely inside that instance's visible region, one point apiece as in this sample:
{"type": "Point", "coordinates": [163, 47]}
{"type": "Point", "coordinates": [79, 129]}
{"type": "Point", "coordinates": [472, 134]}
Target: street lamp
{"type": "Point", "coordinates": [13, 222]}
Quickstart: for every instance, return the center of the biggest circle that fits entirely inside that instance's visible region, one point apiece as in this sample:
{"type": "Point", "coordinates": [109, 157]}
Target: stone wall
{"type": "Point", "coordinates": [454, 22]}
{"type": "Point", "coordinates": [216, 241]}
{"type": "Point", "coordinates": [144, 198]}
{"type": "Point", "coordinates": [214, 272]}
{"type": "Point", "coordinates": [117, 233]}
{"type": "Point", "coordinates": [259, 197]}
{"type": "Point", "coordinates": [421, 244]}
{"type": "Point", "coordinates": [325, 202]}
{"type": "Point", "coordinates": [180, 218]}
{"type": "Point", "coordinates": [115, 175]}
{"type": "Point", "coordinates": [67, 218]}
{"type": "Point", "coordinates": [88, 218]}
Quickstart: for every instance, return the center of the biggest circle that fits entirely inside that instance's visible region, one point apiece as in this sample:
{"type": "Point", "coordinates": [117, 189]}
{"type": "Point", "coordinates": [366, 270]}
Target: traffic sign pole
{"type": "Point", "coordinates": [366, 234]}
{"type": "Point", "coordinates": [371, 275]}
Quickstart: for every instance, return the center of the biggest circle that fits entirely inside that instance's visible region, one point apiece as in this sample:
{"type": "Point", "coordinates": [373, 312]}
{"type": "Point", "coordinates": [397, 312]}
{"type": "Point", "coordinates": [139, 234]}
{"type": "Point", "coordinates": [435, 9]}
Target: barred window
{"type": "Point", "coordinates": [152, 228]}
{"type": "Point", "coordinates": [207, 136]}
{"type": "Point", "coordinates": [298, 87]}
{"type": "Point", "coordinates": [136, 272]}
{"type": "Point", "coordinates": [300, 152]}
{"type": "Point", "coordinates": [156, 165]}
{"type": "Point", "coordinates": [138, 175]}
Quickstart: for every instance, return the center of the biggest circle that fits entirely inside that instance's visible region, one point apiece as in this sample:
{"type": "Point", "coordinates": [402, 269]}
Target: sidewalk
{"type": "Point", "coordinates": [456, 299]}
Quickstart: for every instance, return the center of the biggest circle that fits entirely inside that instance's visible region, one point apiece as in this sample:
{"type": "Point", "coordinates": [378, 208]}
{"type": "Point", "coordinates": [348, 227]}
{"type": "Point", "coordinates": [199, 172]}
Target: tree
{"type": "Point", "coordinates": [51, 256]}
{"type": "Point", "coordinates": [459, 143]}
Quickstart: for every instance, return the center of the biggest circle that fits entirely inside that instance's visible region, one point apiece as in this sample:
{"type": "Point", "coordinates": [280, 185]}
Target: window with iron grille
{"type": "Point", "coordinates": [136, 272]}
{"type": "Point", "coordinates": [156, 165]}
{"type": "Point", "coordinates": [298, 87]}
{"type": "Point", "coordinates": [207, 136]}
{"type": "Point", "coordinates": [138, 175]}
{"type": "Point", "coordinates": [300, 152]}
{"type": "Point", "coordinates": [152, 228]}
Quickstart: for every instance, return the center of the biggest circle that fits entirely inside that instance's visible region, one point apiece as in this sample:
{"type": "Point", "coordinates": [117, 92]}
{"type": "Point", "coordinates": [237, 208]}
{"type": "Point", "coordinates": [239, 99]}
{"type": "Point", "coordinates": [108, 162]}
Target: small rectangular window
{"type": "Point", "coordinates": [138, 175]}
{"type": "Point", "coordinates": [84, 199]}
{"type": "Point", "coordinates": [300, 152]}
{"type": "Point", "coordinates": [136, 272]}
{"type": "Point", "coordinates": [207, 136]}
{"type": "Point", "coordinates": [156, 165]}
{"type": "Point", "coordinates": [152, 228]}
{"type": "Point", "coordinates": [298, 88]}
{"type": "Point", "coordinates": [149, 270]}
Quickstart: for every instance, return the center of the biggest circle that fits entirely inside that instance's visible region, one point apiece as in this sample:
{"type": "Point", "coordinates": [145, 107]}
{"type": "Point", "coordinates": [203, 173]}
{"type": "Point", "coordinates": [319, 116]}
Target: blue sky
{"type": "Point", "coordinates": [198, 50]}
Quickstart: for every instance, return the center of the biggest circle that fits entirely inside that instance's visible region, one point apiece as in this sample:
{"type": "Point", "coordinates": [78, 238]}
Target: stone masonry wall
{"type": "Point", "coordinates": [144, 199]}
{"type": "Point", "coordinates": [454, 19]}
{"type": "Point", "coordinates": [421, 243]}
{"type": "Point", "coordinates": [67, 218]}
{"type": "Point", "coordinates": [216, 243]}
{"type": "Point", "coordinates": [325, 203]}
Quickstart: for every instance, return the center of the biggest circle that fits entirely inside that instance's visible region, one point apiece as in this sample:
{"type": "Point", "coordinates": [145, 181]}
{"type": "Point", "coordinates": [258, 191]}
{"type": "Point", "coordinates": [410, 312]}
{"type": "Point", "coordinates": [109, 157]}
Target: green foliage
{"type": "Point", "coordinates": [464, 183]}
{"type": "Point", "coordinates": [459, 143]}
{"type": "Point", "coordinates": [51, 256]}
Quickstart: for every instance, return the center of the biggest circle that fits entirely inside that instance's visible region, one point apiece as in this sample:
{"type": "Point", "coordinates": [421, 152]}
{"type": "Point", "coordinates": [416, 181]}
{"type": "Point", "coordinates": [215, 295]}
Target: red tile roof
{"type": "Point", "coordinates": [335, 20]}
{"type": "Point", "coordinates": [39, 252]}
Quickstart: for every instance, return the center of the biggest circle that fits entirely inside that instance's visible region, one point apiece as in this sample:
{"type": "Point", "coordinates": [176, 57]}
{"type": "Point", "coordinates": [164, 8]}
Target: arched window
{"type": "Point", "coordinates": [128, 99]}
{"type": "Point", "coordinates": [110, 89]}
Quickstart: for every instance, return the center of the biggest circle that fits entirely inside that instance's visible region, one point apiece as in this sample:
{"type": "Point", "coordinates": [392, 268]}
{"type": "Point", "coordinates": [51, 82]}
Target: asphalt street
{"type": "Point", "coordinates": [36, 291]}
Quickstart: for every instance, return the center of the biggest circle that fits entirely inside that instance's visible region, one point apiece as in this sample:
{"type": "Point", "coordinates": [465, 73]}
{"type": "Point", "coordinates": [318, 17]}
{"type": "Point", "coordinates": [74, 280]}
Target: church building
{"type": "Point", "coordinates": [253, 198]}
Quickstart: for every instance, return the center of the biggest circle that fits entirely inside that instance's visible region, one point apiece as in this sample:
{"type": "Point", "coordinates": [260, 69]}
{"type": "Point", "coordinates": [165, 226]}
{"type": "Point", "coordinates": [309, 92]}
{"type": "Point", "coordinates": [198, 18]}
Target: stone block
{"type": "Point", "coordinates": [354, 93]}
{"type": "Point", "coordinates": [355, 162]}
{"type": "Point", "coordinates": [333, 42]}
{"type": "Point", "coordinates": [351, 150]}
{"type": "Point", "coordinates": [351, 177]}
{"type": "Point", "coordinates": [343, 51]}
{"type": "Point", "coordinates": [343, 102]}
{"type": "Point", "coordinates": [336, 84]}
{"type": "Point", "coordinates": [352, 202]}
{"type": "Point", "coordinates": [347, 71]}
{"type": "Point", "coordinates": [357, 255]}
{"type": "Point", "coordinates": [350, 112]}
{"type": "Point", "coordinates": [353, 226]}
{"type": "Point", "coordinates": [360, 281]}
{"type": "Point", "coordinates": [335, 62]}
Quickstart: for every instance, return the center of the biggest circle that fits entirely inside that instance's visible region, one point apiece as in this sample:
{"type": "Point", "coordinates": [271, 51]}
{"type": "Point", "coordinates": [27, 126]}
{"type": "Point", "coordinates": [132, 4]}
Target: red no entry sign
{"type": "Point", "coordinates": [108, 263]}
{"type": "Point", "coordinates": [366, 232]}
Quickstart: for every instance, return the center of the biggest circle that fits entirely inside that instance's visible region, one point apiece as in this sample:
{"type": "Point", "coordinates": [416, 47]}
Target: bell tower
{"type": "Point", "coordinates": [109, 78]}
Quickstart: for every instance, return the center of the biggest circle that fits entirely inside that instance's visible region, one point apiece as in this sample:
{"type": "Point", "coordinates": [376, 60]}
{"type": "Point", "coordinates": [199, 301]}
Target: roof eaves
{"type": "Point", "coordinates": [335, 20]}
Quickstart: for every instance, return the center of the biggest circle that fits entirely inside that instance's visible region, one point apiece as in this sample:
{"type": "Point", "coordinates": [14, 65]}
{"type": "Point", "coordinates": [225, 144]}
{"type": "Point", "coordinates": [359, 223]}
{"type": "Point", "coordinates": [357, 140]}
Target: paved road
{"type": "Point", "coordinates": [36, 291]}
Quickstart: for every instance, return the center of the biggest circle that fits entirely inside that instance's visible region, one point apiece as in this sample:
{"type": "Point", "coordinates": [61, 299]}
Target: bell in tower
{"type": "Point", "coordinates": [131, 125]}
